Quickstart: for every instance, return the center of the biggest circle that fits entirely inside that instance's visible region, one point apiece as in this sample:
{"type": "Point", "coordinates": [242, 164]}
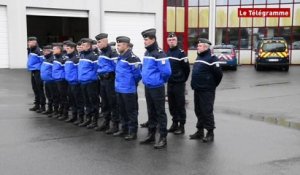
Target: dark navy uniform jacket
{"type": "Point", "coordinates": [128, 73]}
{"type": "Point", "coordinates": [46, 68]}
{"type": "Point", "coordinates": [207, 73]}
{"type": "Point", "coordinates": [71, 68]}
{"type": "Point", "coordinates": [156, 68]}
{"type": "Point", "coordinates": [87, 67]}
{"type": "Point", "coordinates": [179, 64]}
{"type": "Point", "coordinates": [107, 61]}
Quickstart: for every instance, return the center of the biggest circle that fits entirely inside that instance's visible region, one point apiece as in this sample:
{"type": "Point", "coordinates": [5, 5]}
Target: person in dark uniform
{"type": "Point", "coordinates": [78, 47]}
{"type": "Point", "coordinates": [106, 72]}
{"type": "Point", "coordinates": [34, 65]}
{"type": "Point", "coordinates": [71, 75]}
{"type": "Point", "coordinates": [156, 71]}
{"type": "Point", "coordinates": [58, 74]}
{"type": "Point", "coordinates": [128, 75]}
{"type": "Point", "coordinates": [50, 85]}
{"type": "Point", "coordinates": [176, 85]}
{"type": "Point", "coordinates": [206, 76]}
{"type": "Point", "coordinates": [95, 48]}
{"type": "Point", "coordinates": [87, 76]}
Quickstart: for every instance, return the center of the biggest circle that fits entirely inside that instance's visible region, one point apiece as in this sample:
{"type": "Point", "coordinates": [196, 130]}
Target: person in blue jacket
{"type": "Point", "coordinates": [58, 74]}
{"type": "Point", "coordinates": [128, 75]}
{"type": "Point", "coordinates": [87, 76]}
{"type": "Point", "coordinates": [206, 76]}
{"type": "Point", "coordinates": [156, 71]}
{"type": "Point", "coordinates": [71, 75]}
{"type": "Point", "coordinates": [34, 63]}
{"type": "Point", "coordinates": [106, 72]}
{"type": "Point", "coordinates": [50, 85]}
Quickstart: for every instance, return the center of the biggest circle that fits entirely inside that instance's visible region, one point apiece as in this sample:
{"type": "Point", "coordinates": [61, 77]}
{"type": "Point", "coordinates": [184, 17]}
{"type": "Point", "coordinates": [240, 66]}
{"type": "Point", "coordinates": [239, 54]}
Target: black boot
{"type": "Point", "coordinates": [121, 133]}
{"type": "Point", "coordinates": [113, 129]}
{"type": "Point", "coordinates": [41, 110]}
{"type": "Point", "coordinates": [209, 136]}
{"type": "Point", "coordinates": [150, 139]}
{"type": "Point", "coordinates": [64, 116]}
{"type": "Point", "coordinates": [162, 143]}
{"type": "Point", "coordinates": [199, 134]}
{"type": "Point", "coordinates": [34, 108]}
{"type": "Point", "coordinates": [144, 125]}
{"type": "Point", "coordinates": [104, 126]}
{"type": "Point", "coordinates": [180, 130]}
{"type": "Point", "coordinates": [86, 122]}
{"type": "Point", "coordinates": [55, 112]}
{"type": "Point", "coordinates": [131, 136]}
{"type": "Point", "coordinates": [79, 120]}
{"type": "Point", "coordinates": [72, 118]}
{"type": "Point", "coordinates": [49, 111]}
{"type": "Point", "coordinates": [173, 127]}
{"type": "Point", "coordinates": [94, 123]}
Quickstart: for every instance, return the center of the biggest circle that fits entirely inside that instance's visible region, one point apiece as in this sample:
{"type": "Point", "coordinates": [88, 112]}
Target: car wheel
{"type": "Point", "coordinates": [285, 68]}
{"type": "Point", "coordinates": [234, 68]}
{"type": "Point", "coordinates": [258, 67]}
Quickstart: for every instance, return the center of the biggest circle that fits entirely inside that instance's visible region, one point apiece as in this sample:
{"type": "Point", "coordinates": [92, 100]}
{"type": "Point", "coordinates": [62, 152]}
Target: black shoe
{"type": "Point", "coordinates": [162, 143]}
{"type": "Point", "coordinates": [41, 109]}
{"type": "Point", "coordinates": [180, 130]}
{"type": "Point", "coordinates": [197, 135]}
{"type": "Point", "coordinates": [47, 112]}
{"type": "Point", "coordinates": [103, 127]}
{"type": "Point", "coordinates": [71, 119]}
{"type": "Point", "coordinates": [85, 123]}
{"type": "Point", "coordinates": [131, 136]}
{"type": "Point", "coordinates": [150, 139]}
{"type": "Point", "coordinates": [144, 125]}
{"type": "Point", "coordinates": [94, 123]}
{"type": "Point", "coordinates": [209, 136]}
{"type": "Point", "coordinates": [79, 120]}
{"type": "Point", "coordinates": [173, 127]}
{"type": "Point", "coordinates": [120, 133]}
{"type": "Point", "coordinates": [113, 129]}
{"type": "Point", "coordinates": [63, 117]}
{"type": "Point", "coordinates": [34, 108]}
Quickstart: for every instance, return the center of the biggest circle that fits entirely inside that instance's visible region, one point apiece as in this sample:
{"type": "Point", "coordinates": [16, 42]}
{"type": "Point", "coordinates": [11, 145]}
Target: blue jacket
{"type": "Point", "coordinates": [34, 62]}
{"type": "Point", "coordinates": [71, 68]}
{"type": "Point", "coordinates": [87, 67]}
{"type": "Point", "coordinates": [179, 64]}
{"type": "Point", "coordinates": [128, 73]}
{"type": "Point", "coordinates": [206, 73]}
{"type": "Point", "coordinates": [107, 61]}
{"type": "Point", "coordinates": [156, 67]}
{"type": "Point", "coordinates": [46, 68]}
{"type": "Point", "coordinates": [58, 70]}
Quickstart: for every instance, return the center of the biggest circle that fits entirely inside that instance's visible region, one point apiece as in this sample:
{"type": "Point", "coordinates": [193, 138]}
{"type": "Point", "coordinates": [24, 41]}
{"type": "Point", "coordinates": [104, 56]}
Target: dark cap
{"type": "Point", "coordinates": [70, 44]}
{"type": "Point", "coordinates": [149, 33]}
{"type": "Point", "coordinates": [47, 47]}
{"type": "Point", "coordinates": [112, 43]}
{"type": "Point", "coordinates": [130, 45]}
{"type": "Point", "coordinates": [79, 43]}
{"type": "Point", "coordinates": [123, 39]}
{"type": "Point", "coordinates": [204, 40]}
{"type": "Point", "coordinates": [86, 40]}
{"type": "Point", "coordinates": [171, 35]}
{"type": "Point", "coordinates": [32, 38]}
{"type": "Point", "coordinates": [94, 42]}
{"type": "Point", "coordinates": [57, 44]}
{"type": "Point", "coordinates": [101, 36]}
{"type": "Point", "coordinates": [66, 42]}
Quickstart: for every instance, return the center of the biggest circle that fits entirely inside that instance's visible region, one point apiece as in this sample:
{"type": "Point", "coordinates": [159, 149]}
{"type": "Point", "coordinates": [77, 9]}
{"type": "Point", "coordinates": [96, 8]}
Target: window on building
{"type": "Point", "coordinates": [193, 3]}
{"type": "Point", "coordinates": [194, 34]}
{"type": "Point", "coordinates": [221, 36]}
{"type": "Point", "coordinates": [273, 1]}
{"type": "Point", "coordinates": [296, 41]}
{"type": "Point", "coordinates": [260, 2]}
{"type": "Point", "coordinates": [258, 34]}
{"type": "Point", "coordinates": [286, 33]}
{"type": "Point", "coordinates": [221, 2]}
{"type": "Point", "coordinates": [246, 2]}
{"type": "Point", "coordinates": [245, 38]}
{"type": "Point", "coordinates": [234, 2]}
{"type": "Point", "coordinates": [177, 3]}
{"type": "Point", "coordinates": [204, 2]}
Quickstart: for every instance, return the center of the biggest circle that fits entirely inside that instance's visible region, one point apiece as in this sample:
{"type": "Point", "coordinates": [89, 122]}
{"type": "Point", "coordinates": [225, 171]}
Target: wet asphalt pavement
{"type": "Point", "coordinates": [32, 144]}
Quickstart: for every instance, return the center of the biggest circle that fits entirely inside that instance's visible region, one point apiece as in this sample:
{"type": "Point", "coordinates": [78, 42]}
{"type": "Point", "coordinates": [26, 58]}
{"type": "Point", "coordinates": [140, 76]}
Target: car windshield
{"type": "Point", "coordinates": [274, 47]}
{"type": "Point", "coordinates": [219, 51]}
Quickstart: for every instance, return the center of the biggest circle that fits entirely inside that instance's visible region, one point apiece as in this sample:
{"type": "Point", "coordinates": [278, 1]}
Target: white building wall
{"type": "Point", "coordinates": [17, 27]}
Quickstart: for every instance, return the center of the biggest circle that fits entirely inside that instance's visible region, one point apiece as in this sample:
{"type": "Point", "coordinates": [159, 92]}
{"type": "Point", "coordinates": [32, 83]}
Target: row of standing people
{"type": "Point", "coordinates": [78, 79]}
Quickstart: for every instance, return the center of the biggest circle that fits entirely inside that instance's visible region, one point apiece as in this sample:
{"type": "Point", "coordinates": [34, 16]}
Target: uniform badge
{"type": "Point", "coordinates": [186, 60]}
{"type": "Point", "coordinates": [163, 61]}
